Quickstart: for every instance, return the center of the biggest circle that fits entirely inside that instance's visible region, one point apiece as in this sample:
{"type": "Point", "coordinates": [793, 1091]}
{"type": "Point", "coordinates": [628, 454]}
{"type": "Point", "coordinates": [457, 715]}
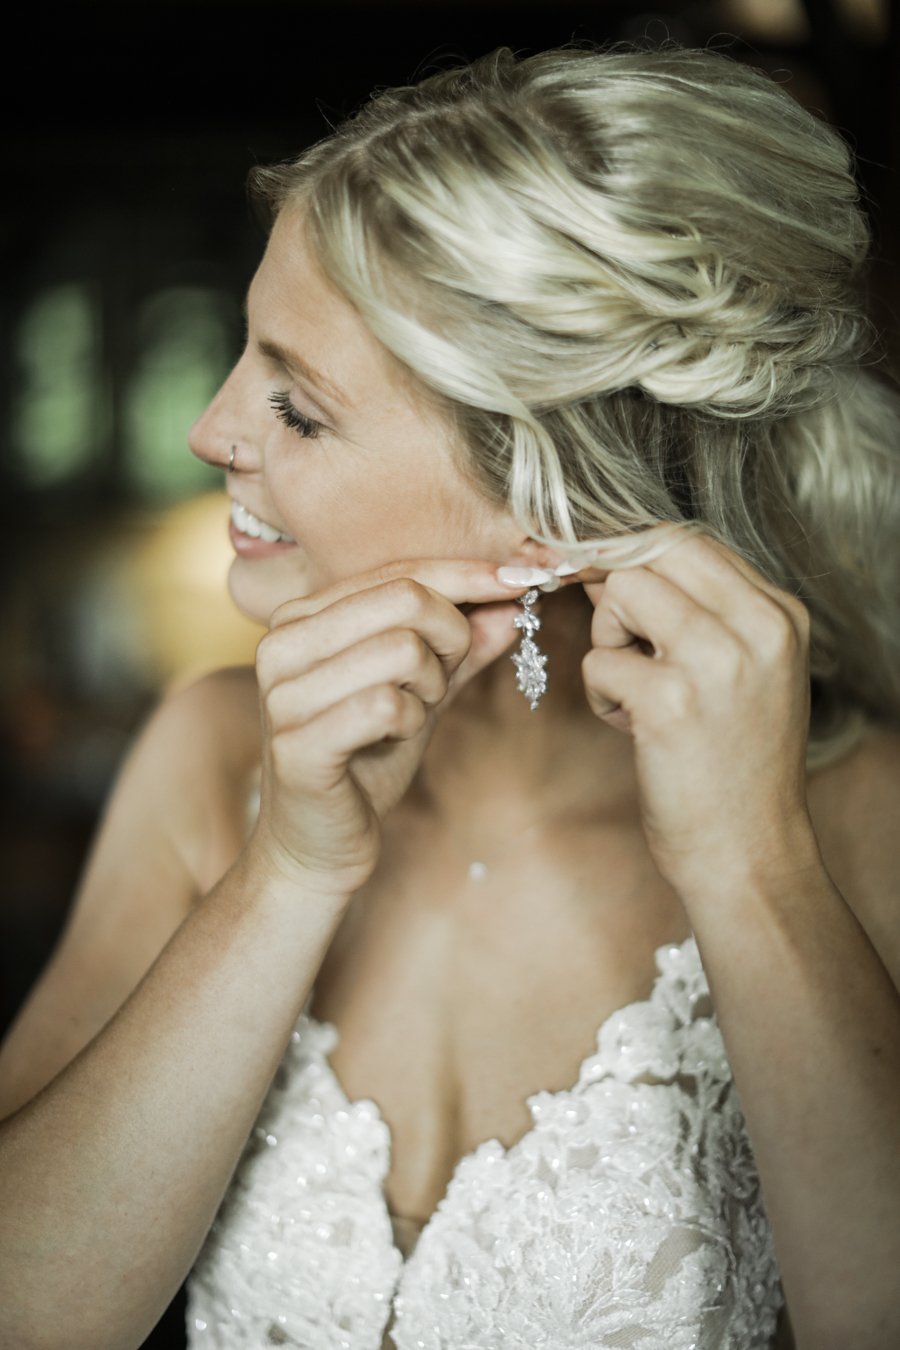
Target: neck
{"type": "Point", "coordinates": [492, 756]}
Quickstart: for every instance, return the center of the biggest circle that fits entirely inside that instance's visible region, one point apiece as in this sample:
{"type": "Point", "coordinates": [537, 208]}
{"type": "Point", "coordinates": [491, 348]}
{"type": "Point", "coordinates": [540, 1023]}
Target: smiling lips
{"type": "Point", "coordinates": [255, 538]}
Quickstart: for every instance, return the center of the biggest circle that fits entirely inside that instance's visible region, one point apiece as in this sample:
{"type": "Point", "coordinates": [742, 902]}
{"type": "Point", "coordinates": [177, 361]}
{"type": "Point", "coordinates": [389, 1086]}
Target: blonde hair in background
{"type": "Point", "coordinates": [632, 282]}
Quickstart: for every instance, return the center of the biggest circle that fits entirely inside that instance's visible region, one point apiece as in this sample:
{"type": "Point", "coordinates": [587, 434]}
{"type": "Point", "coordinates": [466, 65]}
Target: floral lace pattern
{"type": "Point", "coordinates": [629, 1217]}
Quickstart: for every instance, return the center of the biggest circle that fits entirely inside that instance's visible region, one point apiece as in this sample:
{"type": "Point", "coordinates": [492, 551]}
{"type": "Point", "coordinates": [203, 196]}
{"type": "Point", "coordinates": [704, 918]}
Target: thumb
{"type": "Point", "coordinates": [493, 633]}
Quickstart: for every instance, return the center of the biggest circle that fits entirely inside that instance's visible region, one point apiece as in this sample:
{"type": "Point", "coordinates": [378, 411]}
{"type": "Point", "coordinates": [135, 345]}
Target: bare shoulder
{"type": "Point", "coordinates": [220, 712]}
{"type": "Point", "coordinates": [201, 748]}
{"type": "Point", "coordinates": [180, 791]}
{"type": "Point", "coordinates": [855, 808]}
{"type": "Point", "coordinates": [171, 827]}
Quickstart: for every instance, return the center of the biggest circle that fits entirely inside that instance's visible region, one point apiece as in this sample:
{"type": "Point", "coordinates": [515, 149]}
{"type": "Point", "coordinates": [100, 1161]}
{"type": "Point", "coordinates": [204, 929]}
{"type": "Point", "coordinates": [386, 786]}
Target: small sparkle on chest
{"type": "Point", "coordinates": [477, 871]}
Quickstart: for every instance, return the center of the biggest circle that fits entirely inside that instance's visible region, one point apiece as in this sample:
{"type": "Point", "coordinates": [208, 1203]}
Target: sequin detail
{"type": "Point", "coordinates": [629, 1217]}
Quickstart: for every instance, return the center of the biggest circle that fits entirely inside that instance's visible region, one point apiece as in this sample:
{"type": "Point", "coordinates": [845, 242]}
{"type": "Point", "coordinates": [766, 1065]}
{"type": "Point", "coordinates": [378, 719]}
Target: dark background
{"type": "Point", "coordinates": [126, 245]}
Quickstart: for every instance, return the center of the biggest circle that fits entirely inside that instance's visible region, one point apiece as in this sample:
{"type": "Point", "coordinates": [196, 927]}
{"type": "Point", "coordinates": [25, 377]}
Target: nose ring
{"type": "Point", "coordinates": [231, 459]}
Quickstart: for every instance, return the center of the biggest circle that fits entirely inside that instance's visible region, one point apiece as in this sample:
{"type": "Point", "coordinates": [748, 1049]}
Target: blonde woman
{"type": "Point", "coordinates": [400, 1008]}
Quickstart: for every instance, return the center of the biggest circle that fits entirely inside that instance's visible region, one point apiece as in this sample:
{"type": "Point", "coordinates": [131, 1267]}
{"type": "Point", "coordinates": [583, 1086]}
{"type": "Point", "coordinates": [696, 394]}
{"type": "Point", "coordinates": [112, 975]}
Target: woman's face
{"type": "Point", "coordinates": [376, 482]}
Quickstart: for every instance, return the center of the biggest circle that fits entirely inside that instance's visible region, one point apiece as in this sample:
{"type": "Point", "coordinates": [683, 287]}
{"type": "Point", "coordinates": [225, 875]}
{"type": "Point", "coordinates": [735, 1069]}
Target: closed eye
{"type": "Point", "coordinates": [291, 416]}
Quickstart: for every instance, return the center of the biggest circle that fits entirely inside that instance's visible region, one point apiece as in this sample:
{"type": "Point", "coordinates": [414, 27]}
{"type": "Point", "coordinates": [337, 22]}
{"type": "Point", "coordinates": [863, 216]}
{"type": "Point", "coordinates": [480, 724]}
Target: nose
{"type": "Point", "coordinates": [209, 439]}
{"type": "Point", "coordinates": [222, 436]}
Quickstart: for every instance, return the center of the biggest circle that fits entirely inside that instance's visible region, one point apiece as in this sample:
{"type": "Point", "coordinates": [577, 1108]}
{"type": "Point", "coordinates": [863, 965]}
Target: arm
{"type": "Point", "coordinates": [804, 976]}
{"type": "Point", "coordinates": [810, 1016]}
{"type": "Point", "coordinates": [111, 1174]}
{"type": "Point", "coordinates": [172, 826]}
{"type": "Point", "coordinates": [128, 1106]}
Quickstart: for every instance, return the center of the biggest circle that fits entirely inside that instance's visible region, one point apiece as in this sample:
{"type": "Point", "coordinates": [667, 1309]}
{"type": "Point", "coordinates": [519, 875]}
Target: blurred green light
{"type": "Point", "coordinates": [184, 335]}
{"type": "Point", "coordinates": [60, 411]}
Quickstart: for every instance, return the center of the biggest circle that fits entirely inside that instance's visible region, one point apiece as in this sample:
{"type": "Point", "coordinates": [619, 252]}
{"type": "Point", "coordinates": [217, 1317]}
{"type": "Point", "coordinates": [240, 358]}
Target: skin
{"type": "Point", "coordinates": [380, 482]}
{"type": "Point", "coordinates": [153, 1035]}
{"type": "Point", "coordinates": [378, 479]}
{"type": "Point", "coordinates": [704, 664]}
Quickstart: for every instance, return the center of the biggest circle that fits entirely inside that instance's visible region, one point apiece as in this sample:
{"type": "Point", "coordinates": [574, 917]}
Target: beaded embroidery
{"type": "Point", "coordinates": [629, 1217]}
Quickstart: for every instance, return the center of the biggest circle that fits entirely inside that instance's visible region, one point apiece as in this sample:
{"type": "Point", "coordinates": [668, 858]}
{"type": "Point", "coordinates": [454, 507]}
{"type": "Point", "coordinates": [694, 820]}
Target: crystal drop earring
{"type": "Point", "coordinates": [529, 660]}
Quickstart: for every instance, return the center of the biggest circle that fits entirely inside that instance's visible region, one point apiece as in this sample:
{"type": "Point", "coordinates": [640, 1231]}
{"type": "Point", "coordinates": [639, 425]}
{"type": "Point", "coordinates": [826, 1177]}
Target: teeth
{"type": "Point", "coordinates": [247, 523]}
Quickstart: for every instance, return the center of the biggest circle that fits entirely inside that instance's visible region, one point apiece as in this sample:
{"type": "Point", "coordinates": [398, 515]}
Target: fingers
{"type": "Point", "coordinates": [725, 583]}
{"type": "Point", "coordinates": [316, 753]}
{"type": "Point", "coordinates": [398, 657]}
{"type": "Point", "coordinates": [705, 614]}
{"type": "Point", "coordinates": [690, 597]}
{"type": "Point", "coordinates": [327, 650]}
{"type": "Point", "coordinates": [385, 612]}
{"type": "Point", "coordinates": [458, 580]}
{"type": "Point", "coordinates": [637, 603]}
{"type": "Point", "coordinates": [620, 681]}
{"type": "Point", "coordinates": [612, 678]}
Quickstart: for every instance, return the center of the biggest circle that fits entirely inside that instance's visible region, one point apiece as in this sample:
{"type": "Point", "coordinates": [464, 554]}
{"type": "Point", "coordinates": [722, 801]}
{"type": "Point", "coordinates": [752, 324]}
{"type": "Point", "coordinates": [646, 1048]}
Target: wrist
{"type": "Point", "coordinates": [277, 872]}
{"type": "Point", "coordinates": [774, 862]}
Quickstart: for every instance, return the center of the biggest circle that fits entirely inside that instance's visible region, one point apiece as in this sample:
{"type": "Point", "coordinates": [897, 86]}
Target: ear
{"type": "Point", "coordinates": [534, 554]}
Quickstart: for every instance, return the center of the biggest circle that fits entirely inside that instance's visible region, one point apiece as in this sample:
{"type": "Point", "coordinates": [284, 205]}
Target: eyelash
{"type": "Point", "coordinates": [291, 417]}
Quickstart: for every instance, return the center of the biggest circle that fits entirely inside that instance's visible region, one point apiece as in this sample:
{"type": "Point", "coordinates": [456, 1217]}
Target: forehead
{"type": "Point", "coordinates": [294, 304]}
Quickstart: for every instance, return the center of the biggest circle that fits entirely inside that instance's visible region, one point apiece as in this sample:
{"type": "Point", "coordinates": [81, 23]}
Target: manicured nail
{"type": "Point", "coordinates": [523, 576]}
{"type": "Point", "coordinates": [566, 569]}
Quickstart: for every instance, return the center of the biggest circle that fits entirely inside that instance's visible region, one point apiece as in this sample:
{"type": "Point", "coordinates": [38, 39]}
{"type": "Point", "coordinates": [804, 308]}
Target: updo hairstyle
{"type": "Point", "coordinates": [632, 281]}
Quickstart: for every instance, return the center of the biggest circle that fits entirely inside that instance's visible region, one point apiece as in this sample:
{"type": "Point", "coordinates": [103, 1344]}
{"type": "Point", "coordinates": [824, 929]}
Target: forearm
{"type": "Point", "coordinates": [811, 1023]}
{"type": "Point", "coordinates": [111, 1176]}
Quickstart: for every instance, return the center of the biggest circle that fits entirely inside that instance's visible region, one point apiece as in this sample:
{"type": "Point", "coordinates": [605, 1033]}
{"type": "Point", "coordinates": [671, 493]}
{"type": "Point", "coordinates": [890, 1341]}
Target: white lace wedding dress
{"type": "Point", "coordinates": [628, 1218]}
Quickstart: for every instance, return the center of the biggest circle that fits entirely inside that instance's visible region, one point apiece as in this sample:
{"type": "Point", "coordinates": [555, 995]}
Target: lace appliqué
{"type": "Point", "coordinates": [628, 1218]}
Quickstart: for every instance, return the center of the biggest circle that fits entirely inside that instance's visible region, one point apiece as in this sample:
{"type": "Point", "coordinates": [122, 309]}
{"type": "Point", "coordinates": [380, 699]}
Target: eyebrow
{"type": "Point", "coordinates": [285, 357]}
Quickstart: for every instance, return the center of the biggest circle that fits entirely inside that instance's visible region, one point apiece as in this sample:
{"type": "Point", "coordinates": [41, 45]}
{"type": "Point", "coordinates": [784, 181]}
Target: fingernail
{"type": "Point", "coordinates": [565, 569]}
{"type": "Point", "coordinates": [523, 576]}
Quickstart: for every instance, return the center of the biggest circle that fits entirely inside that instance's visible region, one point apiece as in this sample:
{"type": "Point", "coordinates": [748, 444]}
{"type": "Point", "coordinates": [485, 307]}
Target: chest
{"type": "Point", "coordinates": [455, 998]}
{"type": "Point", "coordinates": [614, 1218]}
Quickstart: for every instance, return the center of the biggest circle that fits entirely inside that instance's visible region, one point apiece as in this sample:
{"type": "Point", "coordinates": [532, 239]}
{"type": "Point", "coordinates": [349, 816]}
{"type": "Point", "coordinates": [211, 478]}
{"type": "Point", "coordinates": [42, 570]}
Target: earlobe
{"type": "Point", "coordinates": [545, 558]}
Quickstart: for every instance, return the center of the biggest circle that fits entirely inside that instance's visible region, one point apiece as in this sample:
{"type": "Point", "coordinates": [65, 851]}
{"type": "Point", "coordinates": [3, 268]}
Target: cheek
{"type": "Point", "coordinates": [308, 496]}
{"type": "Point", "coordinates": [396, 522]}
{"type": "Point", "coordinates": [353, 519]}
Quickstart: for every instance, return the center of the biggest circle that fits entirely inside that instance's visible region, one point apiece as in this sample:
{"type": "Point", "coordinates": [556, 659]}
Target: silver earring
{"type": "Point", "coordinates": [529, 659]}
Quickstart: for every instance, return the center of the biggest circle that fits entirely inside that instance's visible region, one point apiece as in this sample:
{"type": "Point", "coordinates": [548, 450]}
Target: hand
{"type": "Point", "coordinates": [705, 664]}
{"type": "Point", "coordinates": [351, 680]}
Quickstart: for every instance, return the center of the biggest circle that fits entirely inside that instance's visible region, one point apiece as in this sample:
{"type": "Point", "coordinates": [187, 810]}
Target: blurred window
{"type": "Point", "coordinates": [184, 345]}
{"type": "Point", "coordinates": [61, 408]}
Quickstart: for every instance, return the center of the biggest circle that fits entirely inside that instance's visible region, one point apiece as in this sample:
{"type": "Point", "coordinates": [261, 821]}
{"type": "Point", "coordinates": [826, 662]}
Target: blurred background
{"type": "Point", "coordinates": [127, 246]}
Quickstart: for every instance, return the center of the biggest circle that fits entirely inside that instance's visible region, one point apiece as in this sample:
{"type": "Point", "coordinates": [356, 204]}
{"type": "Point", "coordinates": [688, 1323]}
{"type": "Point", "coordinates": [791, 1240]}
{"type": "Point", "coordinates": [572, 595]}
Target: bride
{"type": "Point", "coordinates": [509, 958]}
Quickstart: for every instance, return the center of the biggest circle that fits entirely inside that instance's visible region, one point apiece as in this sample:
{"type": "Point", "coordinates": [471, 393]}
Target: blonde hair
{"type": "Point", "coordinates": [632, 282]}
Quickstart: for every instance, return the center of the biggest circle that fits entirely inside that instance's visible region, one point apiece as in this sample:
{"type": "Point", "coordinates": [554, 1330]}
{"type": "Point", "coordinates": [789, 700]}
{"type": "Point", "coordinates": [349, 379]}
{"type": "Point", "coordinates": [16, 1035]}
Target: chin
{"type": "Point", "coordinates": [257, 593]}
